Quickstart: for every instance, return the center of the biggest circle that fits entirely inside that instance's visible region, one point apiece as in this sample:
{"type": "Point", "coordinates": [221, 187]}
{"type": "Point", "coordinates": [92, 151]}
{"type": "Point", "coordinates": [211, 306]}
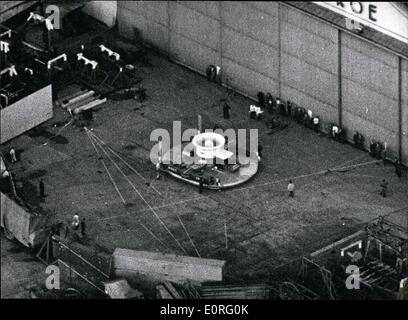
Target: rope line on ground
{"type": "Point", "coordinates": [144, 200]}
{"type": "Point", "coordinates": [188, 235]}
{"type": "Point", "coordinates": [155, 237]}
{"type": "Point", "coordinates": [107, 170]}
{"type": "Point", "coordinates": [123, 160]}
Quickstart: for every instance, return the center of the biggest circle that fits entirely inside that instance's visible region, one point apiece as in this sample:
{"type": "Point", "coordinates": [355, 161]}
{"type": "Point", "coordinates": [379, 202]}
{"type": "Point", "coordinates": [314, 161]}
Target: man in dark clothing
{"type": "Point", "coordinates": [42, 188]}
{"type": "Point", "coordinates": [261, 99]}
{"type": "Point", "coordinates": [398, 169]}
{"type": "Point", "coordinates": [82, 227]}
{"type": "Point", "coordinates": [269, 102]}
{"type": "Point", "coordinates": [226, 109]}
{"type": "Point", "coordinates": [384, 185]}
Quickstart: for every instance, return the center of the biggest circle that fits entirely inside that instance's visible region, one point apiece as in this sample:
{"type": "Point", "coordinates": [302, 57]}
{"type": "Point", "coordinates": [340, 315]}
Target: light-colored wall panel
{"type": "Point", "coordinates": [302, 21]}
{"type": "Point", "coordinates": [368, 49]}
{"type": "Point", "coordinates": [404, 76]}
{"type": "Point", "coordinates": [269, 7]}
{"type": "Point", "coordinates": [104, 11]}
{"type": "Point", "coordinates": [152, 10]}
{"type": "Point", "coordinates": [194, 26]}
{"type": "Point", "coordinates": [26, 114]}
{"type": "Point", "coordinates": [326, 113]}
{"type": "Point", "coordinates": [308, 79]}
{"type": "Point", "coordinates": [370, 106]}
{"type": "Point", "coordinates": [154, 33]}
{"type": "Point", "coordinates": [309, 47]}
{"type": "Point", "coordinates": [181, 49]}
{"type": "Point", "coordinates": [372, 73]}
{"type": "Point", "coordinates": [251, 22]}
{"type": "Point", "coordinates": [369, 130]}
{"type": "Point", "coordinates": [248, 81]}
{"type": "Point", "coordinates": [250, 53]}
{"type": "Point", "coordinates": [207, 8]}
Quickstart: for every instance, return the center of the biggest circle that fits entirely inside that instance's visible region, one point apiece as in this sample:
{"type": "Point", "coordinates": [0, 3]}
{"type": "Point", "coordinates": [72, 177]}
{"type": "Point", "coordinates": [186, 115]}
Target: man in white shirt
{"type": "Point", "coordinates": [316, 124]}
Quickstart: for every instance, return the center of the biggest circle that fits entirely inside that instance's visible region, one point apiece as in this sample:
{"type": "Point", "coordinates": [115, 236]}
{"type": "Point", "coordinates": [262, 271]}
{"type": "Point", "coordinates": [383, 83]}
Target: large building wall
{"type": "Point", "coordinates": [309, 64]}
{"type": "Point", "coordinates": [404, 96]}
{"type": "Point", "coordinates": [370, 91]}
{"type": "Point", "coordinates": [272, 47]}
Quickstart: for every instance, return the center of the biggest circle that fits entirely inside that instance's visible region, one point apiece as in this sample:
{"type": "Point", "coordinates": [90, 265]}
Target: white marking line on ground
{"type": "Point", "coordinates": [350, 161]}
{"type": "Point", "coordinates": [207, 197]}
{"type": "Point", "coordinates": [123, 160]}
{"type": "Point", "coordinates": [307, 175]}
{"type": "Point", "coordinates": [140, 195]}
{"type": "Point", "coordinates": [107, 170]}
{"type": "Point", "coordinates": [157, 207]}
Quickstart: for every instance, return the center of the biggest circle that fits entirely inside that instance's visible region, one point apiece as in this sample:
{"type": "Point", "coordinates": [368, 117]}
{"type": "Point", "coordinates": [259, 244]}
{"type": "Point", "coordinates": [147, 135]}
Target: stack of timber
{"type": "Point", "coordinates": [166, 290]}
{"type": "Point", "coordinates": [257, 291]}
{"type": "Point", "coordinates": [168, 267]}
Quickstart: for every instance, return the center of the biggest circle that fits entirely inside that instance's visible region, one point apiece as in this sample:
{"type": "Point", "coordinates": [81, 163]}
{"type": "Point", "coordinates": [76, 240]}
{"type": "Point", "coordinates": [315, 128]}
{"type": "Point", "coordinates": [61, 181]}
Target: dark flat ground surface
{"type": "Point", "coordinates": [265, 228]}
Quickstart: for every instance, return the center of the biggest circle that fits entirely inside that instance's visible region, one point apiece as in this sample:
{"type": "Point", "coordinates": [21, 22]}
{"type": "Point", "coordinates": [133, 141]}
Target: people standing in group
{"type": "Point", "coordinates": [75, 222]}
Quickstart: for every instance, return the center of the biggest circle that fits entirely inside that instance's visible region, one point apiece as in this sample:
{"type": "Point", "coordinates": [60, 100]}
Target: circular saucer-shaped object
{"type": "Point", "coordinates": [206, 144]}
{"type": "Point", "coordinates": [229, 177]}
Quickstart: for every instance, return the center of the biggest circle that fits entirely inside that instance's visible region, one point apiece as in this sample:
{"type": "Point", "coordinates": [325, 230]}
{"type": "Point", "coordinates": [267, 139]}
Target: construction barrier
{"type": "Point", "coordinates": [22, 223]}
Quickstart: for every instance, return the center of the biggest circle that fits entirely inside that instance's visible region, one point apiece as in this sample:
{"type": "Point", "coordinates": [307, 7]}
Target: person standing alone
{"type": "Point", "coordinates": [291, 189]}
{"type": "Point", "coordinates": [42, 188]}
{"type": "Point", "coordinates": [13, 155]}
{"type": "Point", "coordinates": [384, 186]}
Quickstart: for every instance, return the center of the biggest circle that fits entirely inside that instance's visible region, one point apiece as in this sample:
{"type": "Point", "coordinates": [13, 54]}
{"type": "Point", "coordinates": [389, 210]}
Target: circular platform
{"type": "Point", "coordinates": [191, 168]}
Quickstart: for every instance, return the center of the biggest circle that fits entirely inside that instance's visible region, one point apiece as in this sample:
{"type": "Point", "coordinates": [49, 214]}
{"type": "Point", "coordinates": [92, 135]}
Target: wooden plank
{"type": "Point", "coordinates": [90, 105]}
{"type": "Point", "coordinates": [167, 265]}
{"type": "Point", "coordinates": [358, 234]}
{"type": "Point", "coordinates": [163, 293]}
{"type": "Point", "coordinates": [170, 288]}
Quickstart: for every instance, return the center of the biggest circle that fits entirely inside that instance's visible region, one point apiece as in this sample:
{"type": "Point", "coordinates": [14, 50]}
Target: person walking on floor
{"type": "Point", "coordinates": [384, 186]}
{"type": "Point", "coordinates": [291, 189]}
{"type": "Point", "coordinates": [42, 188]}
